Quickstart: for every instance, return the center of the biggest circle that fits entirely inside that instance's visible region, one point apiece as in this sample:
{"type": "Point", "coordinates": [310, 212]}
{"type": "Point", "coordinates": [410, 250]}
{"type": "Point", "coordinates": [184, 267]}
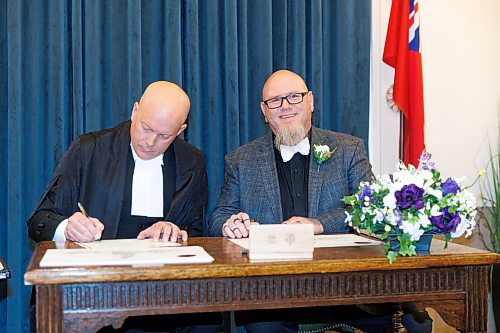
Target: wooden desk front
{"type": "Point", "coordinates": [83, 299]}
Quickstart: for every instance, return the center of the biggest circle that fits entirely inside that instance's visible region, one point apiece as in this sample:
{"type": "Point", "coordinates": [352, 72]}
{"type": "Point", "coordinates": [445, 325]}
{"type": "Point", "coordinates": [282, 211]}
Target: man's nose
{"type": "Point", "coordinates": [285, 106]}
{"type": "Point", "coordinates": [151, 139]}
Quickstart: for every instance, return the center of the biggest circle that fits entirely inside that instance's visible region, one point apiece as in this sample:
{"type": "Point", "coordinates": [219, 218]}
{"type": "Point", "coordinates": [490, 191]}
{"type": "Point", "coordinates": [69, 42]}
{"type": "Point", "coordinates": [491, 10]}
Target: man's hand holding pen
{"type": "Point", "coordinates": [237, 226]}
{"type": "Point", "coordinates": [83, 228]}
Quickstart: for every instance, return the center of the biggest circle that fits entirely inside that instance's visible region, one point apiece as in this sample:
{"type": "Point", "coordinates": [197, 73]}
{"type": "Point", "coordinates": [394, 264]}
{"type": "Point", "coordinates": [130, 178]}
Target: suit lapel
{"type": "Point", "coordinates": [328, 170]}
{"type": "Point", "coordinates": [315, 177]}
{"type": "Point", "coordinates": [269, 176]}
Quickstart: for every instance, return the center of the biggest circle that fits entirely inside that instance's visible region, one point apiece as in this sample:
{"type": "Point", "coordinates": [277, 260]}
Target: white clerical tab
{"type": "Point", "coordinates": [147, 187]}
{"type": "Point", "coordinates": [281, 241]}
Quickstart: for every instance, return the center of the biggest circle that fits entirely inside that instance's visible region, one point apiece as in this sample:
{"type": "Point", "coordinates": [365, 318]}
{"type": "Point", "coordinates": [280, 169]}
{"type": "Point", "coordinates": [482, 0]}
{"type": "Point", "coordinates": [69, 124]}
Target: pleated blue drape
{"type": "Point", "coordinates": [72, 66]}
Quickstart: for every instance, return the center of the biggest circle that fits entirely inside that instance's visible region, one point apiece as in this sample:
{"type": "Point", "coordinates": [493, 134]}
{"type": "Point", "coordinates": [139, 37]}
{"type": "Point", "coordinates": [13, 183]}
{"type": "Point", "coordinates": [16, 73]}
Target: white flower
{"type": "Point", "coordinates": [375, 187]}
{"type": "Point", "coordinates": [436, 211]}
{"type": "Point", "coordinates": [427, 176]}
{"type": "Point", "coordinates": [465, 226]}
{"type": "Point", "coordinates": [423, 219]}
{"type": "Point", "coordinates": [348, 219]}
{"type": "Point", "coordinates": [413, 229]}
{"type": "Point", "coordinates": [322, 149]}
{"type": "Point", "coordinates": [392, 218]}
{"type": "Point", "coordinates": [379, 216]}
{"type": "Point", "coordinates": [390, 200]}
{"type": "Point", "coordinates": [438, 194]}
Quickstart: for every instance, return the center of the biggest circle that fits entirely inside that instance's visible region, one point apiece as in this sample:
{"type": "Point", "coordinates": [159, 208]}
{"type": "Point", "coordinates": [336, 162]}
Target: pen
{"type": "Point", "coordinates": [84, 212]}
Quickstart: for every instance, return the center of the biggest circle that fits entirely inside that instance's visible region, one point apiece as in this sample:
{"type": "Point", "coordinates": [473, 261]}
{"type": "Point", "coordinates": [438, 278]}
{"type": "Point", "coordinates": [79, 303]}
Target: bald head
{"type": "Point", "coordinates": [282, 82]}
{"type": "Point", "coordinates": [166, 97]}
{"type": "Point", "coordinates": [158, 118]}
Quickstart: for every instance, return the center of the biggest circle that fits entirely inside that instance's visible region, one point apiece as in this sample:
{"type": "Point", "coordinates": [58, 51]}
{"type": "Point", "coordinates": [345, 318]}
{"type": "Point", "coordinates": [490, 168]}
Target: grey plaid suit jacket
{"type": "Point", "coordinates": [251, 182]}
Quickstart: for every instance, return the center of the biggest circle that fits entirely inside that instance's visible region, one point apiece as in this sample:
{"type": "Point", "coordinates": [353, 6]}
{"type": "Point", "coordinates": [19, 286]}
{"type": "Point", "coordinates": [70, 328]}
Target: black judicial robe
{"type": "Point", "coordinates": [93, 172]}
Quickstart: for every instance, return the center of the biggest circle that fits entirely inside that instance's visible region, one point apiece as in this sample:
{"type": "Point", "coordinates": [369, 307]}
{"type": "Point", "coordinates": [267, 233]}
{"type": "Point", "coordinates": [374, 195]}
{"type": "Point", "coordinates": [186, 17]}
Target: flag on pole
{"type": "Point", "coordinates": [402, 52]}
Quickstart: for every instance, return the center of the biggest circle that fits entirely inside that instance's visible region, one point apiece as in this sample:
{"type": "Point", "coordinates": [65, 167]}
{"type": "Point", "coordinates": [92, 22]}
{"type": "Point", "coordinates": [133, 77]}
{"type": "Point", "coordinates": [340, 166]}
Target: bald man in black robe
{"type": "Point", "coordinates": [111, 172]}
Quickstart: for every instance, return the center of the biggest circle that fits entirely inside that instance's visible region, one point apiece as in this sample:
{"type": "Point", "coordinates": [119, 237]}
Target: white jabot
{"type": "Point", "coordinates": [302, 147]}
{"type": "Point", "coordinates": [147, 187]}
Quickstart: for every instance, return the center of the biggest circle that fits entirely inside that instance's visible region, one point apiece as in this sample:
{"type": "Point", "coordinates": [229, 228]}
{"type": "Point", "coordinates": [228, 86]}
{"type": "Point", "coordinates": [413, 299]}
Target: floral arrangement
{"type": "Point", "coordinates": [322, 153]}
{"type": "Point", "coordinates": [411, 202]}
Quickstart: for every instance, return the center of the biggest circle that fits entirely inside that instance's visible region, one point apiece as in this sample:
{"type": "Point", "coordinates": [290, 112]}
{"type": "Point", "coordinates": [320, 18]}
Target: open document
{"type": "Point", "coordinates": [132, 243]}
{"type": "Point", "coordinates": [340, 240]}
{"type": "Point", "coordinates": [125, 256]}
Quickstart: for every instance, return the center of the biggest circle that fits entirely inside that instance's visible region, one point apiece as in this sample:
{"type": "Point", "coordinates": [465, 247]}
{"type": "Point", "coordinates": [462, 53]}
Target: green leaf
{"type": "Point", "coordinates": [447, 238]}
{"type": "Point", "coordinates": [407, 246]}
{"type": "Point", "coordinates": [387, 247]}
{"type": "Point", "coordinates": [348, 199]}
{"type": "Point", "coordinates": [391, 255]}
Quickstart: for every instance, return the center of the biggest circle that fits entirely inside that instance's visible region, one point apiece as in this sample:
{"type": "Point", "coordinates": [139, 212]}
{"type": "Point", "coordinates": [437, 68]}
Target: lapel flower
{"type": "Point", "coordinates": [322, 153]}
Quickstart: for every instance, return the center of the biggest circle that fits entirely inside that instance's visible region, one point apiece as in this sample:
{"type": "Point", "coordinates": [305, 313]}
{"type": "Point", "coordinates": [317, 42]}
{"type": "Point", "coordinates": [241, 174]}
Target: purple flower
{"type": "Point", "coordinates": [425, 161]}
{"type": "Point", "coordinates": [365, 193]}
{"type": "Point", "coordinates": [410, 196]}
{"type": "Point", "coordinates": [450, 186]}
{"type": "Point", "coordinates": [447, 222]}
{"type": "Point", "coordinates": [398, 217]}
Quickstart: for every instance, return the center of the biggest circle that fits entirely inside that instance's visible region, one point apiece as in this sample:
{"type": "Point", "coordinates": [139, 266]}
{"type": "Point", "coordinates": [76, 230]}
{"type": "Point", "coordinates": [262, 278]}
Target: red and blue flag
{"type": "Point", "coordinates": [402, 52]}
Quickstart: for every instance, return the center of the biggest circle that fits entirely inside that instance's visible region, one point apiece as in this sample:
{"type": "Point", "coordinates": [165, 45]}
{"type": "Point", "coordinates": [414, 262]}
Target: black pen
{"type": "Point", "coordinates": [84, 212]}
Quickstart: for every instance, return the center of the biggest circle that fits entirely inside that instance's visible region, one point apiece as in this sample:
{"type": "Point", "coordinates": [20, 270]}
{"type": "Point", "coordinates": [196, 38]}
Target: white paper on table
{"type": "Point", "coordinates": [243, 242]}
{"type": "Point", "coordinates": [334, 240]}
{"type": "Point", "coordinates": [341, 240]}
{"type": "Point", "coordinates": [132, 243]}
{"type": "Point", "coordinates": [124, 256]}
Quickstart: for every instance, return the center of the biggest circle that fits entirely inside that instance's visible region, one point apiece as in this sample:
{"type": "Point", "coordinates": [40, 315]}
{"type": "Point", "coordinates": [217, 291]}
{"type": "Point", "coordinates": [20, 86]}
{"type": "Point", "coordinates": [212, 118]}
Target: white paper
{"type": "Point", "coordinates": [279, 241]}
{"type": "Point", "coordinates": [1, 266]}
{"type": "Point", "coordinates": [335, 240]}
{"type": "Point", "coordinates": [341, 240]}
{"type": "Point", "coordinates": [125, 256]}
{"type": "Point", "coordinates": [243, 242]}
{"type": "Point", "coordinates": [132, 243]}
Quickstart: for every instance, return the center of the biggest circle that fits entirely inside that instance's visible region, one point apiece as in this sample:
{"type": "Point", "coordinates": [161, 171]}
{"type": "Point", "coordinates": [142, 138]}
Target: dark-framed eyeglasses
{"type": "Point", "coordinates": [292, 98]}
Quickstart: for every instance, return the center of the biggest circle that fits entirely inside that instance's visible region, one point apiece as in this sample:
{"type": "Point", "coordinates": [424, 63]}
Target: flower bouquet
{"type": "Point", "coordinates": [410, 202]}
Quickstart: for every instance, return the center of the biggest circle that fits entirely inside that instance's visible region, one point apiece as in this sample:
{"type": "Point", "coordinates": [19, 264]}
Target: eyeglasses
{"type": "Point", "coordinates": [292, 98]}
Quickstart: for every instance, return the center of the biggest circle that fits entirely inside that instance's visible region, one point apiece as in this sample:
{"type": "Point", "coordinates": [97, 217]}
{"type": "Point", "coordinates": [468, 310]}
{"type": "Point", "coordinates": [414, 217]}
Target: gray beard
{"type": "Point", "coordinates": [289, 136]}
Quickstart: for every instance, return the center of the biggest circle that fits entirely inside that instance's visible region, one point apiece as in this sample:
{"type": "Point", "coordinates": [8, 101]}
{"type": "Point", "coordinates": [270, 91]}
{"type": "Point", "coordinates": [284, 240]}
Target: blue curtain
{"type": "Point", "coordinates": [72, 66]}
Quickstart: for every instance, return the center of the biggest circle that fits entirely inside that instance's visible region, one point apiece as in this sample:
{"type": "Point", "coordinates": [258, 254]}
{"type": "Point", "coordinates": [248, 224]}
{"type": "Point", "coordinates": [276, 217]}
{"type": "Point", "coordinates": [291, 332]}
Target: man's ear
{"type": "Point", "coordinates": [311, 100]}
{"type": "Point", "coordinates": [263, 108]}
{"type": "Point", "coordinates": [135, 109]}
{"type": "Point", "coordinates": [183, 127]}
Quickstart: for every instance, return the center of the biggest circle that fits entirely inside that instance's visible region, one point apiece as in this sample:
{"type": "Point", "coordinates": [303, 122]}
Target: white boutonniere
{"type": "Point", "coordinates": [322, 153]}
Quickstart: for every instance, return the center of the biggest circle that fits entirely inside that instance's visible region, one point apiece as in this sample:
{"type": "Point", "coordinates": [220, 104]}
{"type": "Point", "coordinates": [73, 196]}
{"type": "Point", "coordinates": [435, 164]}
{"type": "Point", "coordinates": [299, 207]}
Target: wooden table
{"type": "Point", "coordinates": [83, 299]}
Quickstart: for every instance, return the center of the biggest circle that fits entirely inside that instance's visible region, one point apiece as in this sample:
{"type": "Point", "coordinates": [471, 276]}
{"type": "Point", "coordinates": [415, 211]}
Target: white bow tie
{"type": "Point", "coordinates": [302, 147]}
